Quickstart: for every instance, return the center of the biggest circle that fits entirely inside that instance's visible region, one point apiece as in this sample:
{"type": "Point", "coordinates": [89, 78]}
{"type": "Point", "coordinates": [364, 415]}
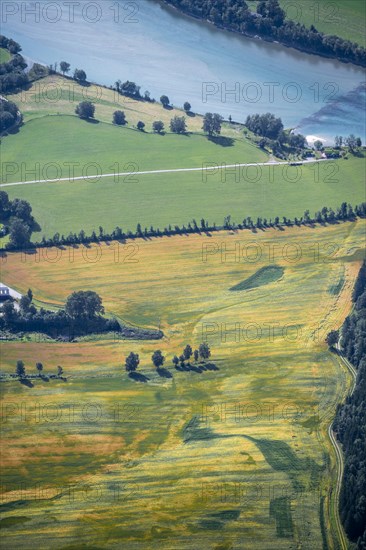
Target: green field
{"type": "Point", "coordinates": [53, 140]}
{"type": "Point", "coordinates": [344, 18]}
{"type": "Point", "coordinates": [163, 199]}
{"type": "Point", "coordinates": [67, 139]}
{"type": "Point", "coordinates": [4, 55]}
{"type": "Point", "coordinates": [222, 458]}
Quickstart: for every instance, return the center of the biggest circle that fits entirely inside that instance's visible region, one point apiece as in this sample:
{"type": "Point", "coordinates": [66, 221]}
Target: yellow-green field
{"type": "Point", "coordinates": [236, 457]}
{"type": "Point", "coordinates": [58, 95]}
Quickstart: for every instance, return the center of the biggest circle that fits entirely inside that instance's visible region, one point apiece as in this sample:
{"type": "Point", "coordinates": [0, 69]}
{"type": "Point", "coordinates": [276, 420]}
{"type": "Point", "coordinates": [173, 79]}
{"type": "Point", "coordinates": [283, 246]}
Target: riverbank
{"type": "Point", "coordinates": [269, 39]}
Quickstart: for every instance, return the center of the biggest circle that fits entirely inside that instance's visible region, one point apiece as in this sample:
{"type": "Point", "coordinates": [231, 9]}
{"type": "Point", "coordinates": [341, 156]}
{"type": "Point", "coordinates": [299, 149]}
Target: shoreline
{"type": "Point", "coordinates": [257, 37]}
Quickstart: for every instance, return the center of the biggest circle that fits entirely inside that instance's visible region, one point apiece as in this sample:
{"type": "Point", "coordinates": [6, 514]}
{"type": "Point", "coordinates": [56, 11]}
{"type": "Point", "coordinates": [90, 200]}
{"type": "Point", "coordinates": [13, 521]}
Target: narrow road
{"type": "Point", "coordinates": [168, 171]}
{"type": "Point", "coordinates": [339, 457]}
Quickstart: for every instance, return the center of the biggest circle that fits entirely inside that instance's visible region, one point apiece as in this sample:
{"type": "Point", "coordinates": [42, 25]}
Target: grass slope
{"type": "Point", "coordinates": [67, 139]}
{"type": "Point", "coordinates": [4, 55]}
{"type": "Point", "coordinates": [344, 18]}
{"type": "Point", "coordinates": [252, 472]}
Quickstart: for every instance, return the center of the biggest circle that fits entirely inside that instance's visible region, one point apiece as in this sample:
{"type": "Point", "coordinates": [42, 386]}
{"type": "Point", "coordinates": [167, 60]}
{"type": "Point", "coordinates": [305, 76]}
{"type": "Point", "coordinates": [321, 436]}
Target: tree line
{"type": "Point", "coordinates": [350, 421]}
{"type": "Point", "coordinates": [269, 22]}
{"type": "Point", "coordinates": [202, 354]}
{"type": "Point", "coordinates": [21, 374]}
{"type": "Point", "coordinates": [345, 212]}
{"type": "Point", "coordinates": [86, 110]}
{"type": "Point", "coordinates": [81, 315]}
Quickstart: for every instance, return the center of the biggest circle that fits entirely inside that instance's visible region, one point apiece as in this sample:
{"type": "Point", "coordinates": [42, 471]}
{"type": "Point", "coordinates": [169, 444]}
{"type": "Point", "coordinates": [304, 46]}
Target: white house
{"type": "Point", "coordinates": [7, 292]}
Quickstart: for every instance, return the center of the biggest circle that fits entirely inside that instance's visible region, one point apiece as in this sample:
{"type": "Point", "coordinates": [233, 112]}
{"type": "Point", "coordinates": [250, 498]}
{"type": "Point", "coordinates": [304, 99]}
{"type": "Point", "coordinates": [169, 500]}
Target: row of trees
{"type": "Point", "coordinates": [270, 23]}
{"type": "Point", "coordinates": [86, 110]}
{"type": "Point", "coordinates": [326, 215]}
{"type": "Point", "coordinates": [21, 372]}
{"type": "Point", "coordinates": [352, 142]}
{"type": "Point", "coordinates": [350, 421]}
{"type": "Point", "coordinates": [203, 353]}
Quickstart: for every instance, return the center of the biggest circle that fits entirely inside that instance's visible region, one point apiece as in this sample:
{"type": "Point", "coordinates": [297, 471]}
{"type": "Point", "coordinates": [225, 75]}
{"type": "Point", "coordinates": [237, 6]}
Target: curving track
{"type": "Point", "coordinates": [339, 458]}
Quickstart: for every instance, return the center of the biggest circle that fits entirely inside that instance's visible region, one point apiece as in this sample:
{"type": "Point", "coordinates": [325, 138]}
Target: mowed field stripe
{"type": "Point", "coordinates": [167, 171]}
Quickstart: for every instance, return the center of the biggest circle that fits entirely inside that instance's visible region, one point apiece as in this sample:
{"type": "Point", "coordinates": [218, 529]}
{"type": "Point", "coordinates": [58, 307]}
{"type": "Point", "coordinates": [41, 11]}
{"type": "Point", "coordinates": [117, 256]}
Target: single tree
{"type": "Point", "coordinates": [187, 352]}
{"type": "Point", "coordinates": [164, 100]}
{"type": "Point", "coordinates": [332, 338]}
{"type": "Point", "coordinates": [212, 123]}
{"type": "Point", "coordinates": [30, 294]}
{"type": "Point", "coordinates": [158, 126]}
{"type": "Point", "coordinates": [196, 355]}
{"type": "Point", "coordinates": [318, 145]}
{"type": "Point", "coordinates": [351, 142]}
{"type": "Point", "coordinates": [178, 125]}
{"type": "Point", "coordinates": [80, 75]}
{"type": "Point", "coordinates": [181, 360]}
{"type": "Point", "coordinates": [20, 369]}
{"type": "Point", "coordinates": [175, 361]}
{"type": "Point", "coordinates": [204, 351]}
{"type": "Point", "coordinates": [132, 362]}
{"type": "Point", "coordinates": [119, 118]}
{"type": "Point", "coordinates": [65, 67]}
{"type": "Point", "coordinates": [60, 371]}
{"type": "Point", "coordinates": [140, 125]}
{"type": "Point", "coordinates": [158, 358]}
{"type": "Point", "coordinates": [39, 367]}
{"type": "Point", "coordinates": [85, 110]}
{"type": "Point", "coordinates": [19, 234]}
{"type": "Point", "coordinates": [187, 107]}
{"type": "Point", "coordinates": [84, 305]}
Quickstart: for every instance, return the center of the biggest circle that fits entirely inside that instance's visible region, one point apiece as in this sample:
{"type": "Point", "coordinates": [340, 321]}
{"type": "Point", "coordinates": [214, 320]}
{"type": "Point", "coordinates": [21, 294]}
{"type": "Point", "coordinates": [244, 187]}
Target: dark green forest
{"type": "Point", "coordinates": [269, 23]}
{"type": "Point", "coordinates": [350, 422]}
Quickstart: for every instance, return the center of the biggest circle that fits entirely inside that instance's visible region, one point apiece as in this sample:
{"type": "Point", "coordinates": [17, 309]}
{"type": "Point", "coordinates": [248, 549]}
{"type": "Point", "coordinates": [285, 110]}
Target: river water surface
{"type": "Point", "coordinates": [214, 70]}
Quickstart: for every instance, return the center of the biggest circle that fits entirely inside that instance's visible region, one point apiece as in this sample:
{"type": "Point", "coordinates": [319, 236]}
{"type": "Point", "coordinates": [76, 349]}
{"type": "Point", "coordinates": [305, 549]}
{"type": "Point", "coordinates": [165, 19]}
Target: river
{"type": "Point", "coordinates": [168, 53]}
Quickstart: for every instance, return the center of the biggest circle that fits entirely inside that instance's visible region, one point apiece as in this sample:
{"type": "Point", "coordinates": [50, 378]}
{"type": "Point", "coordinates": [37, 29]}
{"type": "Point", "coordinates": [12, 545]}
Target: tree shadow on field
{"type": "Point", "coordinates": [164, 373]}
{"type": "Point", "coordinates": [198, 370]}
{"type": "Point", "coordinates": [182, 368]}
{"type": "Point", "coordinates": [211, 366]}
{"type": "Point", "coordinates": [91, 120]}
{"type": "Point", "coordinates": [138, 377]}
{"type": "Point", "coordinates": [190, 113]}
{"type": "Point", "coordinates": [222, 140]}
{"type": "Point", "coordinates": [26, 382]}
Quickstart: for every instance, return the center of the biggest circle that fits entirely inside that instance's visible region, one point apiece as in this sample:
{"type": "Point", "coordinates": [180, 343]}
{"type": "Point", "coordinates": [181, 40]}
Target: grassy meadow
{"type": "Point", "coordinates": [344, 18]}
{"type": "Point", "coordinates": [54, 143]}
{"type": "Point", "coordinates": [177, 198]}
{"type": "Point", "coordinates": [4, 55]}
{"type": "Point", "coordinates": [232, 456]}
